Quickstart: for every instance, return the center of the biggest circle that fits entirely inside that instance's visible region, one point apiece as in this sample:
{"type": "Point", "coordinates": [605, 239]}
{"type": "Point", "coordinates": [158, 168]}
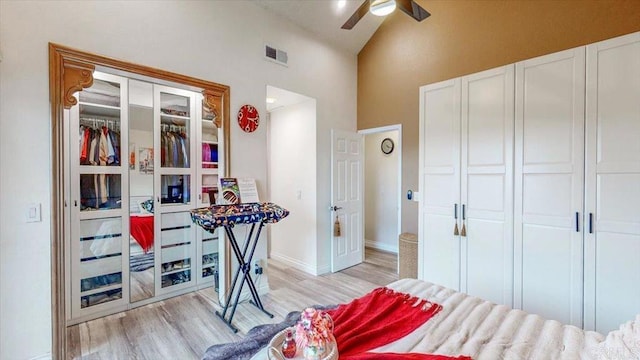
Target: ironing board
{"type": "Point", "coordinates": [228, 216]}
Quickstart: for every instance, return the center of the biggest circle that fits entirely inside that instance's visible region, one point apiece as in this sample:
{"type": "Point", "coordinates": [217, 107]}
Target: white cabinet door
{"type": "Point", "coordinates": [612, 248]}
{"type": "Point", "coordinates": [99, 201]}
{"type": "Point", "coordinates": [549, 173]}
{"type": "Point", "coordinates": [487, 185]}
{"type": "Point", "coordinates": [439, 248]}
{"type": "Point", "coordinates": [174, 162]}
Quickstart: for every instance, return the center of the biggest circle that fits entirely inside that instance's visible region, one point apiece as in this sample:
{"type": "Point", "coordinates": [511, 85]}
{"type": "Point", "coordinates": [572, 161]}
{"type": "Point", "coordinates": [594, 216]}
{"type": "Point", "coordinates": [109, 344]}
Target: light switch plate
{"type": "Point", "coordinates": [34, 213]}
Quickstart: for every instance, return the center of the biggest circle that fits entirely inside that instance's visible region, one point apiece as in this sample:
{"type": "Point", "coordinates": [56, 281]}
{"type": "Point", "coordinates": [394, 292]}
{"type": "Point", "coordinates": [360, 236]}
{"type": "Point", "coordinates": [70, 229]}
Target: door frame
{"type": "Point", "coordinates": [71, 70]}
{"type": "Point", "coordinates": [398, 148]}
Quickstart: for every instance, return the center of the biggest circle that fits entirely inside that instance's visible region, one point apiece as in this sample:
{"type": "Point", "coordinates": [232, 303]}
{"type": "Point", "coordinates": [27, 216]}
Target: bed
{"type": "Point", "coordinates": [479, 329]}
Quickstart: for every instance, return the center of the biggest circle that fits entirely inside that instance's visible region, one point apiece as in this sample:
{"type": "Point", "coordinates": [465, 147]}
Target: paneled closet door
{"type": "Point", "coordinates": [439, 247]}
{"type": "Point", "coordinates": [612, 267]}
{"type": "Point", "coordinates": [549, 160]}
{"type": "Point", "coordinates": [176, 116]}
{"type": "Point", "coordinates": [487, 185]}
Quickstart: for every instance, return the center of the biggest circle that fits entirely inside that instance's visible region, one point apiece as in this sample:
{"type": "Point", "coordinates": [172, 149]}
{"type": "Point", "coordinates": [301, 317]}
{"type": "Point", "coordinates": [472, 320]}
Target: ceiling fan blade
{"type": "Point", "coordinates": [411, 8]}
{"type": "Point", "coordinates": [360, 12]}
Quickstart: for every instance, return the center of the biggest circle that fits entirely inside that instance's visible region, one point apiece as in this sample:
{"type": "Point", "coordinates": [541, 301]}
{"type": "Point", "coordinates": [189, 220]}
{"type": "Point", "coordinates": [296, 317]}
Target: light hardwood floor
{"type": "Point", "coordinates": [185, 326]}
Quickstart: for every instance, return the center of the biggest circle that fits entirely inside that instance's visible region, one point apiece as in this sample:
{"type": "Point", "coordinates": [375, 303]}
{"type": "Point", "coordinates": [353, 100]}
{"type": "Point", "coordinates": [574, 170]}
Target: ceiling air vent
{"type": "Point", "coordinates": [276, 55]}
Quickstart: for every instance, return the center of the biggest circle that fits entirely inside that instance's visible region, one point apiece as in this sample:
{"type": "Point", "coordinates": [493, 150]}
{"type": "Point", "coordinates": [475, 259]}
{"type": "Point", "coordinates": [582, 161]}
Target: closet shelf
{"type": "Point", "coordinates": [164, 273]}
{"type": "Point", "coordinates": [101, 106]}
{"type": "Point", "coordinates": [101, 289]}
{"type": "Point", "coordinates": [100, 213]}
{"type": "Point", "coordinates": [102, 169]}
{"type": "Point", "coordinates": [175, 119]}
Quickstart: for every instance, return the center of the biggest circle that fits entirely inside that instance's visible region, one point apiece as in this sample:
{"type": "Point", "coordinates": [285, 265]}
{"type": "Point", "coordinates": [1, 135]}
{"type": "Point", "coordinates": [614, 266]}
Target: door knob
{"type": "Point", "coordinates": [335, 208]}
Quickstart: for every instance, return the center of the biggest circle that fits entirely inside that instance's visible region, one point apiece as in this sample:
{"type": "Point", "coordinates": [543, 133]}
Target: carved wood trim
{"type": "Point", "coordinates": [213, 102]}
{"type": "Point", "coordinates": [76, 76]}
{"type": "Point", "coordinates": [58, 333]}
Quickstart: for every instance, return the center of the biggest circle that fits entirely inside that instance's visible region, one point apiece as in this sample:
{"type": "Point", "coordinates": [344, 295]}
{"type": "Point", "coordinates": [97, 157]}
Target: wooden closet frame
{"type": "Point", "coordinates": [71, 70]}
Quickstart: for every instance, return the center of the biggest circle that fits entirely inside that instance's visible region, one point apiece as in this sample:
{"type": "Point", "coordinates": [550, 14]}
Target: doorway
{"type": "Point", "coordinates": [291, 174]}
{"type": "Point", "coordinates": [382, 191]}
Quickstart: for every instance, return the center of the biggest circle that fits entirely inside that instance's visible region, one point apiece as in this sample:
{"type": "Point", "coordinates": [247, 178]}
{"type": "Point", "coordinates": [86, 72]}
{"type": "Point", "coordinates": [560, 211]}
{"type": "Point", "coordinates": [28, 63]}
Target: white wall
{"type": "Point", "coordinates": [292, 152]}
{"type": "Point", "coordinates": [221, 41]}
{"type": "Point", "coordinates": [381, 193]}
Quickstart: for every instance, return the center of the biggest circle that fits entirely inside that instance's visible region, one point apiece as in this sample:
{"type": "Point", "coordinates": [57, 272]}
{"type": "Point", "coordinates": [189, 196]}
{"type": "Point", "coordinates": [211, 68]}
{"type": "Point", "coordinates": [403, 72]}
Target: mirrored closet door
{"type": "Point", "coordinates": [141, 191]}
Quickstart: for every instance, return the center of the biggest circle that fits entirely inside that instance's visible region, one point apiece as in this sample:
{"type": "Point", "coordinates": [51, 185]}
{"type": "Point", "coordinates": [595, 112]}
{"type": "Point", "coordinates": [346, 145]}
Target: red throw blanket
{"type": "Point", "coordinates": [377, 319]}
{"type": "Point", "coordinates": [141, 228]}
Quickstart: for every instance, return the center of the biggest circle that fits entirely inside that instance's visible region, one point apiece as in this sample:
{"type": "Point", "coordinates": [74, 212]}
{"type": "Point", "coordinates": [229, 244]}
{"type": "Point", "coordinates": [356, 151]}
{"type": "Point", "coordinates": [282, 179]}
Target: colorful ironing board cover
{"type": "Point", "coordinates": [214, 216]}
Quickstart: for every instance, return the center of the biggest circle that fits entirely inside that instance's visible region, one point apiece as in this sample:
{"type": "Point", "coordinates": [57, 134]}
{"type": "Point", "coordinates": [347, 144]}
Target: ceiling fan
{"type": "Point", "coordinates": [384, 7]}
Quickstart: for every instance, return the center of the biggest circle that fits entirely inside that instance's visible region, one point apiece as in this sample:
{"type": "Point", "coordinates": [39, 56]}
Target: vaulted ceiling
{"type": "Point", "coordinates": [324, 19]}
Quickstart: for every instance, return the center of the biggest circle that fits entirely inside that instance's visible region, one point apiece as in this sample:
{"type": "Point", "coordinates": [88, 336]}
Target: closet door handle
{"type": "Point", "coordinates": [158, 198]}
{"type": "Point", "coordinates": [590, 223]}
{"type": "Point", "coordinates": [75, 203]}
{"type": "Point", "coordinates": [577, 221]}
{"type": "Point", "coordinates": [456, 232]}
{"type": "Point", "coordinates": [463, 230]}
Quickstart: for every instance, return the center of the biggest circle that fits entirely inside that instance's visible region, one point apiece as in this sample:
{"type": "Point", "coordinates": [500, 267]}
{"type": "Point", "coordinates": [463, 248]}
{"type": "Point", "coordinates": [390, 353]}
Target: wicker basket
{"type": "Point", "coordinates": [408, 255]}
{"type": "Point", "coordinates": [273, 349]}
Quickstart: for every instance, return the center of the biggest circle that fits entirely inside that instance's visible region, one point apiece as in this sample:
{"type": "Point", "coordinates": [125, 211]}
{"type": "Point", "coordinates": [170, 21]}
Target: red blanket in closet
{"type": "Point", "coordinates": [141, 228]}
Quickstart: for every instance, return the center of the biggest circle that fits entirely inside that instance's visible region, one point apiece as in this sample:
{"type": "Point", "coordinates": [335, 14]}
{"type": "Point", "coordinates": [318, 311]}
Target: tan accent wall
{"type": "Point", "coordinates": [463, 37]}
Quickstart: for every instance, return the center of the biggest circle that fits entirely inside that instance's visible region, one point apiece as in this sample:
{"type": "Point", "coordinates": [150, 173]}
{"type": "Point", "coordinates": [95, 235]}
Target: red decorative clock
{"type": "Point", "coordinates": [248, 118]}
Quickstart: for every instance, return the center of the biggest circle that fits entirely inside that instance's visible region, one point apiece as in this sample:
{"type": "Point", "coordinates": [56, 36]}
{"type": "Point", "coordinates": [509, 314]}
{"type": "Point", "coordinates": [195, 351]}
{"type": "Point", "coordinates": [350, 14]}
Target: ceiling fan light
{"type": "Point", "coordinates": [382, 7]}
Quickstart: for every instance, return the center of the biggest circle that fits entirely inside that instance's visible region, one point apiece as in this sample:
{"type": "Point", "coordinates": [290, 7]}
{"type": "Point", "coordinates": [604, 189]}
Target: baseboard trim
{"type": "Point", "coordinates": [324, 269]}
{"type": "Point", "coordinates": [380, 246]}
{"type": "Point", "coordinates": [46, 356]}
{"type": "Point", "coordinates": [295, 263]}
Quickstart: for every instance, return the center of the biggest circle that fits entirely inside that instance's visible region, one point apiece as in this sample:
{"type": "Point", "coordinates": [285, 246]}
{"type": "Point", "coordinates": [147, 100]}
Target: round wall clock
{"type": "Point", "coordinates": [248, 118]}
{"type": "Point", "coordinates": [387, 146]}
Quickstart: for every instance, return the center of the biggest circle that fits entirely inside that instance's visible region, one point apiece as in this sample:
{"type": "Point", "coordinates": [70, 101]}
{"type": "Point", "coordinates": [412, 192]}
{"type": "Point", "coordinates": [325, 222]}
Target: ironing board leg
{"type": "Point", "coordinates": [244, 265]}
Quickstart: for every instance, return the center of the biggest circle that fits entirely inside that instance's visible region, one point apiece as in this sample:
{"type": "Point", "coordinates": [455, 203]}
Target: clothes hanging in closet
{"type": "Point", "coordinates": [99, 146]}
{"type": "Point", "coordinates": [173, 149]}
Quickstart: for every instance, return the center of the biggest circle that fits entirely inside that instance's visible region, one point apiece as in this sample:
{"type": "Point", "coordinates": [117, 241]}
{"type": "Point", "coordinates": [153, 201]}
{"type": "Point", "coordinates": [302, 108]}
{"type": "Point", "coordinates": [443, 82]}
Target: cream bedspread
{"type": "Point", "coordinates": [471, 326]}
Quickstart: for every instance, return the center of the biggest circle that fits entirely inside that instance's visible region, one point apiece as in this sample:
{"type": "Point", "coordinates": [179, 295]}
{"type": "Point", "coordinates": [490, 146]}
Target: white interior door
{"type": "Point", "coordinates": [549, 186]}
{"type": "Point", "coordinates": [612, 246]}
{"type": "Point", "coordinates": [347, 189]}
{"type": "Point", "coordinates": [487, 185]}
{"type": "Point", "coordinates": [438, 246]}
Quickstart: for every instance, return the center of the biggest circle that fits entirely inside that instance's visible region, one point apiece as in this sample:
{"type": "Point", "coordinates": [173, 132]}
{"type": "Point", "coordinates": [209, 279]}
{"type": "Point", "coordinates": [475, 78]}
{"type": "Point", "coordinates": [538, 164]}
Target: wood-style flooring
{"type": "Point", "coordinates": [185, 326]}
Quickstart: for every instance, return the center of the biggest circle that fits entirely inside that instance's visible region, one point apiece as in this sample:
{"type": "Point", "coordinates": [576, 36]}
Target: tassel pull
{"type": "Point", "coordinates": [455, 230]}
{"type": "Point", "coordinates": [463, 232]}
{"type": "Point", "coordinates": [336, 227]}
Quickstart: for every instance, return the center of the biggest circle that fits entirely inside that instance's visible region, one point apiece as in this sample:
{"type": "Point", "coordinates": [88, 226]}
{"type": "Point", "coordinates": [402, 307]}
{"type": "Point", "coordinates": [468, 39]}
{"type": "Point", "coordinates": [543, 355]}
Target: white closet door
{"type": "Point", "coordinates": [487, 184]}
{"type": "Point", "coordinates": [612, 290]}
{"type": "Point", "coordinates": [439, 248]}
{"type": "Point", "coordinates": [549, 186]}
